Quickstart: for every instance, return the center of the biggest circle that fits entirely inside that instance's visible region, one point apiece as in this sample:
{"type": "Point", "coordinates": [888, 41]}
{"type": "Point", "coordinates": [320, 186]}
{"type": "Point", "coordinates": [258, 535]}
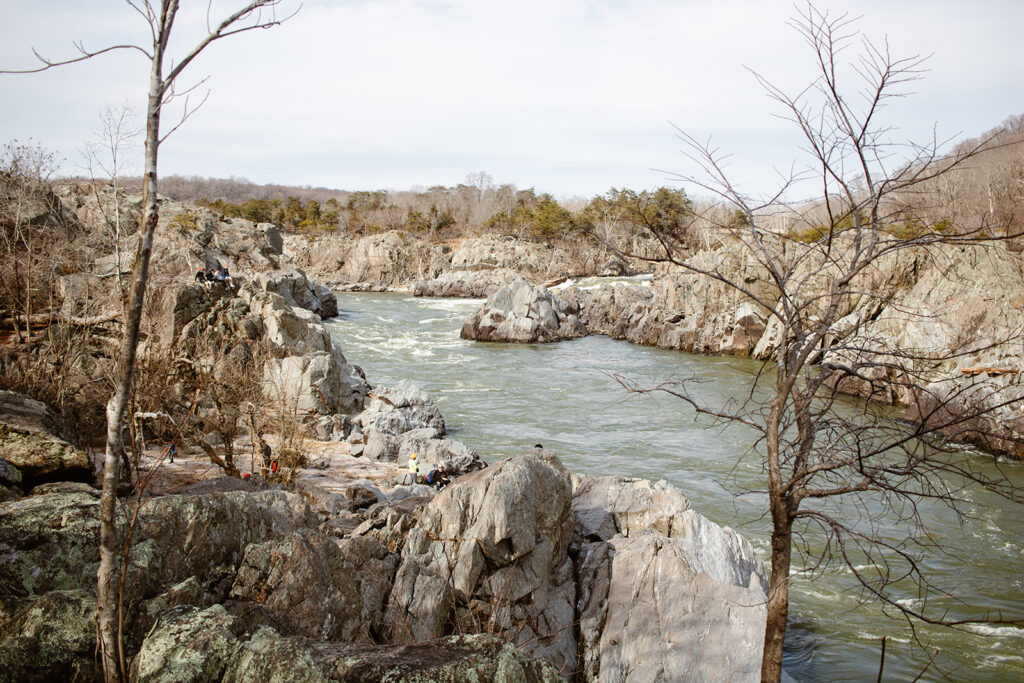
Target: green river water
{"type": "Point", "coordinates": [501, 399]}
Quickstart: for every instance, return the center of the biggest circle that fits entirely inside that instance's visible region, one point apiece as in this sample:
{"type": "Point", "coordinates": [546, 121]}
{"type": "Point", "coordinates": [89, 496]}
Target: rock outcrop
{"type": "Point", "coordinates": [246, 585]}
{"type": "Point", "coordinates": [402, 420]}
{"type": "Point", "coordinates": [469, 284]}
{"type": "Point", "coordinates": [298, 291]}
{"type": "Point", "coordinates": [388, 259]}
{"type": "Point", "coordinates": [36, 441]}
{"type": "Point", "coordinates": [523, 313]}
{"type": "Point", "coordinates": [493, 550]}
{"type": "Point", "coordinates": [690, 593]}
{"type": "Point", "coordinates": [306, 372]}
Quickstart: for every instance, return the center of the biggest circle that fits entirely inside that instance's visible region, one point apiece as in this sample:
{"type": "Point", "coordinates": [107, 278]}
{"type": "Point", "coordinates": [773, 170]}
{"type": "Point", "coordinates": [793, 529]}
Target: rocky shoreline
{"type": "Point", "coordinates": [327, 568]}
{"type": "Point", "coordinates": [361, 579]}
{"type": "Point", "coordinates": [331, 570]}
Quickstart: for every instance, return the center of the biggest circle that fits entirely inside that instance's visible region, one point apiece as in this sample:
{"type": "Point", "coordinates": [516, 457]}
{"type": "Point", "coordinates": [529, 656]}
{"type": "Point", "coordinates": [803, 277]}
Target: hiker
{"type": "Point", "coordinates": [226, 277]}
{"type": "Point", "coordinates": [438, 477]}
{"type": "Point", "coordinates": [170, 452]}
{"type": "Point", "coordinates": [202, 276]}
{"type": "Point", "coordinates": [210, 277]}
{"type": "Point", "coordinates": [409, 478]}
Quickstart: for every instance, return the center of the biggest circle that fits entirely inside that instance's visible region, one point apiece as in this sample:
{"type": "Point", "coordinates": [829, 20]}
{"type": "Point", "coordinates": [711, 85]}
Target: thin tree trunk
{"type": "Point", "coordinates": [108, 606]}
{"type": "Point", "coordinates": [778, 600]}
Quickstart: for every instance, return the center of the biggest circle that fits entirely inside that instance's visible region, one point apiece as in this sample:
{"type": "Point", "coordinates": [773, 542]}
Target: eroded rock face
{"type": "Point", "coordinates": [492, 549]}
{"type": "Point", "coordinates": [315, 587]}
{"type": "Point", "coordinates": [662, 590]}
{"type": "Point", "coordinates": [523, 313]}
{"type": "Point", "coordinates": [533, 259]}
{"type": "Point", "coordinates": [35, 440]}
{"type": "Point", "coordinates": [387, 259]}
{"type": "Point", "coordinates": [471, 284]}
{"type": "Point", "coordinates": [300, 292]}
{"type": "Point", "coordinates": [308, 375]}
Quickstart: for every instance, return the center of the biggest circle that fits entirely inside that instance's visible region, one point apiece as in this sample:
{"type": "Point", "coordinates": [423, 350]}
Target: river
{"type": "Point", "coordinates": [501, 399]}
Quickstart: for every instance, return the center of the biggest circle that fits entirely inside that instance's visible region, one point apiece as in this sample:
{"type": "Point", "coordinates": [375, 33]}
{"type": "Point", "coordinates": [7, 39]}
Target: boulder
{"type": "Point", "coordinates": [318, 383]}
{"type": "Point", "coordinates": [647, 613]}
{"type": "Point", "coordinates": [48, 543]}
{"type": "Point", "coordinates": [187, 644]}
{"type": "Point", "coordinates": [9, 474]}
{"type": "Point", "coordinates": [491, 549]}
{"type": "Point", "coordinates": [53, 638]}
{"type": "Point", "coordinates": [35, 440]}
{"type": "Point", "coordinates": [399, 409]}
{"type": "Point", "coordinates": [316, 587]}
{"type": "Point", "coordinates": [523, 313]}
{"type": "Point", "coordinates": [297, 290]}
{"type": "Point", "coordinates": [640, 547]}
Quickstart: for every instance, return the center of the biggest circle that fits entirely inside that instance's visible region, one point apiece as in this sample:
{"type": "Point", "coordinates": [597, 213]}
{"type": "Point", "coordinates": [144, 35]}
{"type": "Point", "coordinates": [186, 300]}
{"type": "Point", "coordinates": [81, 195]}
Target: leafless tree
{"type": "Point", "coordinates": [159, 18]}
{"type": "Point", "coordinates": [108, 155]}
{"type": "Point", "coordinates": [830, 471]}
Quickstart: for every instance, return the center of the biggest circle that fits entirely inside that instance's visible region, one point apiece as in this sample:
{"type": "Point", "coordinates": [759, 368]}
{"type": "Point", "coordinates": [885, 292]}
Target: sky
{"type": "Point", "coordinates": [571, 97]}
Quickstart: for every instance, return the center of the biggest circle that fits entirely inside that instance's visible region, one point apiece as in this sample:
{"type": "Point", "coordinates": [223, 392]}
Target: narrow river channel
{"type": "Point", "coordinates": [501, 399]}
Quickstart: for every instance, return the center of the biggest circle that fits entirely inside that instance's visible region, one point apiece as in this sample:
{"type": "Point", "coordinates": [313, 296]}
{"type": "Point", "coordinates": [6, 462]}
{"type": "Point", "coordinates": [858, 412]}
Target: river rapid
{"type": "Point", "coordinates": [501, 399]}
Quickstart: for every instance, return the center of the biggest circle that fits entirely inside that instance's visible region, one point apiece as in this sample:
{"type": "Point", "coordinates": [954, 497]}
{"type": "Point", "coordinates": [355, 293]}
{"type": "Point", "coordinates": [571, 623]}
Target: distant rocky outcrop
{"type": "Point", "coordinates": [523, 313]}
{"type": "Point", "coordinates": [470, 284]}
{"type": "Point", "coordinates": [387, 259]}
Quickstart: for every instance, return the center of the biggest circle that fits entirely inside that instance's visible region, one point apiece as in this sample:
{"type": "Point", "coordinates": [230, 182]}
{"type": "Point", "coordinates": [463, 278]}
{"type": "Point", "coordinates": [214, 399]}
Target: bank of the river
{"type": "Point", "coordinates": [502, 398]}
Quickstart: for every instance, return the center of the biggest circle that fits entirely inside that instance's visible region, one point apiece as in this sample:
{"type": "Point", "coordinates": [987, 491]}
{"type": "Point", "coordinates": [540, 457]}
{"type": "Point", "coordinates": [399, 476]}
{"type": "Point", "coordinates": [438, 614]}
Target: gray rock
{"type": "Point", "coordinates": [641, 547]}
{"type": "Point", "coordinates": [187, 644]}
{"type": "Point", "coordinates": [363, 494]}
{"type": "Point", "coordinates": [9, 474]}
{"type": "Point", "coordinates": [522, 313]}
{"type": "Point", "coordinates": [399, 409]}
{"type": "Point", "coordinates": [491, 548]}
{"type": "Point", "coordinates": [646, 613]}
{"type": "Point", "coordinates": [317, 587]}
{"type": "Point", "coordinates": [298, 290]}
{"type": "Point", "coordinates": [466, 283]}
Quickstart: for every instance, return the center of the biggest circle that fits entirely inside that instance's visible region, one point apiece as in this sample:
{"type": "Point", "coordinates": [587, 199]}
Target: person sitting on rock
{"type": "Point", "coordinates": [226, 277]}
{"type": "Point", "coordinates": [438, 478]}
{"type": "Point", "coordinates": [202, 276]}
{"type": "Point", "coordinates": [210, 277]}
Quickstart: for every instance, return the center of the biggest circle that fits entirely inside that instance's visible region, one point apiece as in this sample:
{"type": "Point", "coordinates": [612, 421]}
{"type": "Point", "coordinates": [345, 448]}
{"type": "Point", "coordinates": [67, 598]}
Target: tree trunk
{"type": "Point", "coordinates": [108, 606]}
{"type": "Point", "coordinates": [778, 599]}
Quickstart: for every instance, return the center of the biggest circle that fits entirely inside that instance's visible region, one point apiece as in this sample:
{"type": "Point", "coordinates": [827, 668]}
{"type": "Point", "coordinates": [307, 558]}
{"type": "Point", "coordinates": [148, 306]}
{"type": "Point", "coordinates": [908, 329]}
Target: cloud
{"type": "Point", "coordinates": [570, 96]}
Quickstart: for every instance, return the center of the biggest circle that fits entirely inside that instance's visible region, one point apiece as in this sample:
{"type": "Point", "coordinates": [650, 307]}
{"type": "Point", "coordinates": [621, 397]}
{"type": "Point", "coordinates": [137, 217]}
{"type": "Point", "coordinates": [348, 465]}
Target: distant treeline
{"type": "Point", "coordinates": [989, 191]}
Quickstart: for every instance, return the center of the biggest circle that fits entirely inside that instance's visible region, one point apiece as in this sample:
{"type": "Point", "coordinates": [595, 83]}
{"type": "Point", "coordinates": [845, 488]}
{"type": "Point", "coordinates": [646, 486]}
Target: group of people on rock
{"type": "Point", "coordinates": [209, 276]}
{"type": "Point", "coordinates": [437, 477]}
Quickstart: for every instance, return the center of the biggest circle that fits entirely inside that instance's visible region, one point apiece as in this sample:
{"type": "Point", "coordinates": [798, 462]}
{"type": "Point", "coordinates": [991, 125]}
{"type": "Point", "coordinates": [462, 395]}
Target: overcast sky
{"type": "Point", "coordinates": [568, 96]}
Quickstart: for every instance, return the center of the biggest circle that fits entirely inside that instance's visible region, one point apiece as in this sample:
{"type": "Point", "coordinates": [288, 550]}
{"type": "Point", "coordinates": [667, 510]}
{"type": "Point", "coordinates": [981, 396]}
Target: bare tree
{"type": "Point", "coordinates": [108, 155]}
{"type": "Point", "coordinates": [830, 472]}
{"type": "Point", "coordinates": [159, 18]}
